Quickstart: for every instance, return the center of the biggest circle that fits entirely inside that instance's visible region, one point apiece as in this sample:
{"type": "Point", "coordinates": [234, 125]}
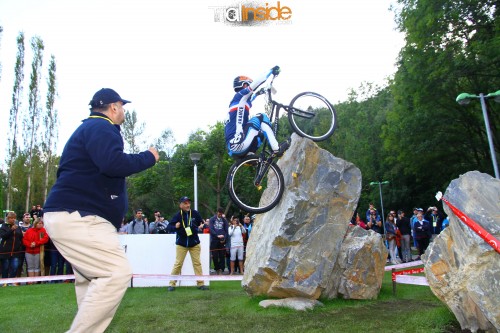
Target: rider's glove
{"type": "Point", "coordinates": [276, 70]}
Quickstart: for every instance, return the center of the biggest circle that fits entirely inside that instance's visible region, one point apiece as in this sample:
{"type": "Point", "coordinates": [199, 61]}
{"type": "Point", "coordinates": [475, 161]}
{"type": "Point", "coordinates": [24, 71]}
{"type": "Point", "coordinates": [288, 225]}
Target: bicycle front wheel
{"type": "Point", "coordinates": [250, 197]}
{"type": "Point", "coordinates": [312, 116]}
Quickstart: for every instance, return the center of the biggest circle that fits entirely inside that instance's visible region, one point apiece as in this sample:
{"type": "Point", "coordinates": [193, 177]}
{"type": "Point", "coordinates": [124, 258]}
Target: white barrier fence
{"type": "Point", "coordinates": [151, 258]}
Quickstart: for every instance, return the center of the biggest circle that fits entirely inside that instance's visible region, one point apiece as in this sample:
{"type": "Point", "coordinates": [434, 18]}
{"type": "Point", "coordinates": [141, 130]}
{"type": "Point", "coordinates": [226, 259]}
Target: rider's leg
{"type": "Point", "coordinates": [265, 126]}
{"type": "Point", "coordinates": [245, 146]}
{"type": "Point", "coordinates": [268, 132]}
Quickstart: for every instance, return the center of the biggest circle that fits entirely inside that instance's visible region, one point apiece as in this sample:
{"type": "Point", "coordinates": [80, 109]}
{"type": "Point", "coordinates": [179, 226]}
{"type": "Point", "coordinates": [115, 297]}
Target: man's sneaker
{"type": "Point", "coordinates": [171, 288]}
{"type": "Point", "coordinates": [283, 147]}
{"type": "Point", "coordinates": [203, 287]}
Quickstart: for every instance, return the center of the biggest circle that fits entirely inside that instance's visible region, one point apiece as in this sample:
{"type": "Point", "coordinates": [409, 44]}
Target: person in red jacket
{"type": "Point", "coordinates": [33, 239]}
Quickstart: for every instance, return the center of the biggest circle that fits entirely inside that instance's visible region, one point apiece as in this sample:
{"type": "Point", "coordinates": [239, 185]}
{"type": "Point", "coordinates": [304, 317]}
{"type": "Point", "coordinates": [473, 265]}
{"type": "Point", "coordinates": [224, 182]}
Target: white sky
{"type": "Point", "coordinates": [176, 64]}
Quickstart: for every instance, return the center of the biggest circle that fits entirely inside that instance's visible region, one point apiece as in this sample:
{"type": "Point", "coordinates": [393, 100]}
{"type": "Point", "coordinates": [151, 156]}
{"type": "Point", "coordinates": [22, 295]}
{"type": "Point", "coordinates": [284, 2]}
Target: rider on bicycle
{"type": "Point", "coordinates": [243, 134]}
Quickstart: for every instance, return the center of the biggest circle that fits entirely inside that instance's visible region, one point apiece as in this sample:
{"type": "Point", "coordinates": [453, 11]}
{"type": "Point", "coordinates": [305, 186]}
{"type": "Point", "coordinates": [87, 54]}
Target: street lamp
{"type": "Point", "coordinates": [381, 202]}
{"type": "Point", "coordinates": [195, 157]}
{"type": "Point", "coordinates": [464, 99]}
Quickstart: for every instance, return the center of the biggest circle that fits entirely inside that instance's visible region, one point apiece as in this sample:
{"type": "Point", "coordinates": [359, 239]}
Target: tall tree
{"type": "Point", "coordinates": [451, 47]}
{"type": "Point", "coordinates": [32, 123]}
{"type": "Point", "coordinates": [131, 131]}
{"type": "Point", "coordinates": [1, 31]}
{"type": "Point", "coordinates": [165, 144]}
{"type": "Point", "coordinates": [14, 113]}
{"type": "Point", "coordinates": [50, 125]}
{"type": "Point", "coordinates": [215, 166]}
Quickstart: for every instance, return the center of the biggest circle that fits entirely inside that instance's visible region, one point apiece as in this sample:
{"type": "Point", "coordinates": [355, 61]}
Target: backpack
{"type": "Point", "coordinates": [145, 227]}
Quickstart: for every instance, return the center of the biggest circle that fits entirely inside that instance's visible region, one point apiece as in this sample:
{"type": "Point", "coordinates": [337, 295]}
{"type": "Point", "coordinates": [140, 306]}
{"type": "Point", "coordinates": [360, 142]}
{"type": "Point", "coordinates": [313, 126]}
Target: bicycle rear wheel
{"type": "Point", "coordinates": [253, 198]}
{"type": "Point", "coordinates": [312, 116]}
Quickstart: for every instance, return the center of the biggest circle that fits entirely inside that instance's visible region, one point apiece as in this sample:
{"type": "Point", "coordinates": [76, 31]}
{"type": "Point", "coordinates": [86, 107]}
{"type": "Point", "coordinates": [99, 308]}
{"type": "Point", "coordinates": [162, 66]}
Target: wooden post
{"type": "Point", "coordinates": [42, 260]}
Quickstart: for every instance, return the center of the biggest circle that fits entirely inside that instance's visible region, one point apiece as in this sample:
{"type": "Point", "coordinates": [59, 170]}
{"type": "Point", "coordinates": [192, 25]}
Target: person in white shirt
{"type": "Point", "coordinates": [236, 231]}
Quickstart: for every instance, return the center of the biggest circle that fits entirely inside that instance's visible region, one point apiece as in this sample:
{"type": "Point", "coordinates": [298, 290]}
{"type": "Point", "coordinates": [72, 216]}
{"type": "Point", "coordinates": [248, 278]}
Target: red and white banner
{"type": "Point", "coordinates": [415, 280]}
{"type": "Point", "coordinates": [407, 272]}
{"type": "Point", "coordinates": [489, 238]}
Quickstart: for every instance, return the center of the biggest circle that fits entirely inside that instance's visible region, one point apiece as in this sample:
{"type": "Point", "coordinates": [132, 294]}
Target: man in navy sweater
{"type": "Point", "coordinates": [86, 206]}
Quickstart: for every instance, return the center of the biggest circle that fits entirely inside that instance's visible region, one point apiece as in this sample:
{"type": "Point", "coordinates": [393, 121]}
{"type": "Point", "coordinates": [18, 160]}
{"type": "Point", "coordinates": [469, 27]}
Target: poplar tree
{"type": "Point", "coordinates": [1, 30]}
{"type": "Point", "coordinates": [32, 123]}
{"type": "Point", "coordinates": [50, 123]}
{"type": "Point", "coordinates": [131, 131]}
{"type": "Point", "coordinates": [14, 112]}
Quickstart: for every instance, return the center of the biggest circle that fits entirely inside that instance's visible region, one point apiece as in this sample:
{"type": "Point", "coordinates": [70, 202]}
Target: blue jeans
{"type": "Point", "coordinates": [56, 263]}
{"type": "Point", "coordinates": [9, 267]}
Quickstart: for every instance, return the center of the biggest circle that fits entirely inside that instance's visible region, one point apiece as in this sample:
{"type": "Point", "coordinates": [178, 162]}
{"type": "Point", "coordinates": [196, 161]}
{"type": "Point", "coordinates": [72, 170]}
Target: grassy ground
{"type": "Point", "coordinates": [227, 308]}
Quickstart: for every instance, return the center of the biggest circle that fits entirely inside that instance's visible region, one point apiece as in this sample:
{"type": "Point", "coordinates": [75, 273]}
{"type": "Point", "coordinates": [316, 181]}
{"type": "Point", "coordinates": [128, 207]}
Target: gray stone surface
{"type": "Point", "coordinates": [360, 266]}
{"type": "Point", "coordinates": [461, 268]}
{"type": "Point", "coordinates": [294, 248]}
{"type": "Point", "coordinates": [294, 303]}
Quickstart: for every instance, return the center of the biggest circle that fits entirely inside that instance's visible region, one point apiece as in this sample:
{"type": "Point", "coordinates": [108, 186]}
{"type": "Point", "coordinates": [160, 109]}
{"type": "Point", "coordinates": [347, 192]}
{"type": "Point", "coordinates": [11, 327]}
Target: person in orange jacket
{"type": "Point", "coordinates": [33, 239]}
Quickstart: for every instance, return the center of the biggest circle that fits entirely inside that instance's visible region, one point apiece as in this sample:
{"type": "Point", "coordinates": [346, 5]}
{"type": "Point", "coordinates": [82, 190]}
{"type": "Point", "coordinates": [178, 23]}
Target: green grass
{"type": "Point", "coordinates": [227, 308]}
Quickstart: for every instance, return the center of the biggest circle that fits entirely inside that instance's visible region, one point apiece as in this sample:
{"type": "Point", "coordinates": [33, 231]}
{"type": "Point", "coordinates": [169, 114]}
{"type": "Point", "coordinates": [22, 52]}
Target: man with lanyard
{"type": "Point", "coordinates": [218, 237]}
{"type": "Point", "coordinates": [186, 224]}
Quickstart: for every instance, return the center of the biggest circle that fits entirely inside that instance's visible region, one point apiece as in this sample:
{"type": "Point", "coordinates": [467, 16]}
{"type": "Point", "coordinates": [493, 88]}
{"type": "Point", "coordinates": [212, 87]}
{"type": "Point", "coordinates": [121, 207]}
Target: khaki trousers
{"type": "Point", "coordinates": [102, 271]}
{"type": "Point", "coordinates": [180, 255]}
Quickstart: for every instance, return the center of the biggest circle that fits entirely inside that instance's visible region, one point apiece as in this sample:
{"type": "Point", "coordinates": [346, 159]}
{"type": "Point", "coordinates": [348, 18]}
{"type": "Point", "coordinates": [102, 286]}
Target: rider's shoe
{"type": "Point", "coordinates": [283, 147]}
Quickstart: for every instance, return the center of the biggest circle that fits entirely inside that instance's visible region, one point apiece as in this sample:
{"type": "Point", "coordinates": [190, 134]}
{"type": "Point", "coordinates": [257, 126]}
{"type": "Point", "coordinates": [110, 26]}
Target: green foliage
{"type": "Point", "coordinates": [212, 169]}
{"type": "Point", "coordinates": [450, 49]}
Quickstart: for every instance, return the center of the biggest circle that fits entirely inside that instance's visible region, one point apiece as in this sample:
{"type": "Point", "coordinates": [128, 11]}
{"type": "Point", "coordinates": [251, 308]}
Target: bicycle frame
{"type": "Point", "coordinates": [276, 106]}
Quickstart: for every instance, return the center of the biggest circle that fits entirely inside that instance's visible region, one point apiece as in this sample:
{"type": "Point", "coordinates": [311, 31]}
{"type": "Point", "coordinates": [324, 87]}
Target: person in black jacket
{"type": "Point", "coordinates": [11, 246]}
{"type": "Point", "coordinates": [186, 224]}
{"type": "Point", "coordinates": [404, 227]}
{"type": "Point", "coordinates": [423, 232]}
{"type": "Point", "coordinates": [86, 206]}
{"type": "Point", "coordinates": [218, 237]}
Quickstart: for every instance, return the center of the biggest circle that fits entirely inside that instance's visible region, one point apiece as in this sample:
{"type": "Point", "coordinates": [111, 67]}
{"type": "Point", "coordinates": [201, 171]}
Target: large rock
{"type": "Point", "coordinates": [360, 265]}
{"type": "Point", "coordinates": [462, 269]}
{"type": "Point", "coordinates": [293, 248]}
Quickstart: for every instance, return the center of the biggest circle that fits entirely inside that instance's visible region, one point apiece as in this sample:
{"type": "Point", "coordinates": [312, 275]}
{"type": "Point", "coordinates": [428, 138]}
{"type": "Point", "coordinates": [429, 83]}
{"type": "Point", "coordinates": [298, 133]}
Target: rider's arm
{"type": "Point", "coordinates": [257, 82]}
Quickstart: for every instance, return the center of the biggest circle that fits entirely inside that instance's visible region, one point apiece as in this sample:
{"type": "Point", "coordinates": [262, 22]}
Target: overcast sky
{"type": "Point", "coordinates": [176, 63]}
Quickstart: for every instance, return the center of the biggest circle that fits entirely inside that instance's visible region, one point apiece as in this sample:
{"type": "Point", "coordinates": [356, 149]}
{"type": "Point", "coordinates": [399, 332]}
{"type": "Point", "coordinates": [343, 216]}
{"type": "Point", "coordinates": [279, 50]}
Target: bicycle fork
{"type": "Point", "coordinates": [262, 169]}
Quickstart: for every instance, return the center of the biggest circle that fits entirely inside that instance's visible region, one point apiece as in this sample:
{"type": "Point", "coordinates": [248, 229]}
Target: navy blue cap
{"type": "Point", "coordinates": [183, 199]}
{"type": "Point", "coordinates": [106, 96]}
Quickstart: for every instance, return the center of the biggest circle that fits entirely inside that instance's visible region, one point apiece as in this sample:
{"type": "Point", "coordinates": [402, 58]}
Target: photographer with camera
{"type": "Point", "coordinates": [11, 247]}
{"type": "Point", "coordinates": [236, 232]}
{"type": "Point", "coordinates": [159, 225]}
{"type": "Point", "coordinates": [374, 223]}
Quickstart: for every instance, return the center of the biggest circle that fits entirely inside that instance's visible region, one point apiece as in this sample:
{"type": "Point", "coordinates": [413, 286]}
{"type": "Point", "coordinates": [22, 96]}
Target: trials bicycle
{"type": "Point", "coordinates": [255, 182]}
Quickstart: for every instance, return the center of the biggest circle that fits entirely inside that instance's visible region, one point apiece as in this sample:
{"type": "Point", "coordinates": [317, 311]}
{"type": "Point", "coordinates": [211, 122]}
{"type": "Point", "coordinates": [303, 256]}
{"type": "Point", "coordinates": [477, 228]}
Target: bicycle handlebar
{"type": "Point", "coordinates": [263, 90]}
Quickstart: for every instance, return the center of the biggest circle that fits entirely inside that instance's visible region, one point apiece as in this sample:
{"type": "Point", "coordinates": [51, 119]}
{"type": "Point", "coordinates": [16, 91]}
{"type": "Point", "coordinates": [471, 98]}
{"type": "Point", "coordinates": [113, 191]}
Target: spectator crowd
{"type": "Point", "coordinates": [401, 233]}
{"type": "Point", "coordinates": [26, 248]}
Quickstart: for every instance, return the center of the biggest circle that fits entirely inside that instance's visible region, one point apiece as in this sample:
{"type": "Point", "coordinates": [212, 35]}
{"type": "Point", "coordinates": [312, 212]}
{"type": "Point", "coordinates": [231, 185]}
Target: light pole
{"type": "Point", "coordinates": [464, 99]}
{"type": "Point", "coordinates": [195, 157]}
{"type": "Point", "coordinates": [381, 202]}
